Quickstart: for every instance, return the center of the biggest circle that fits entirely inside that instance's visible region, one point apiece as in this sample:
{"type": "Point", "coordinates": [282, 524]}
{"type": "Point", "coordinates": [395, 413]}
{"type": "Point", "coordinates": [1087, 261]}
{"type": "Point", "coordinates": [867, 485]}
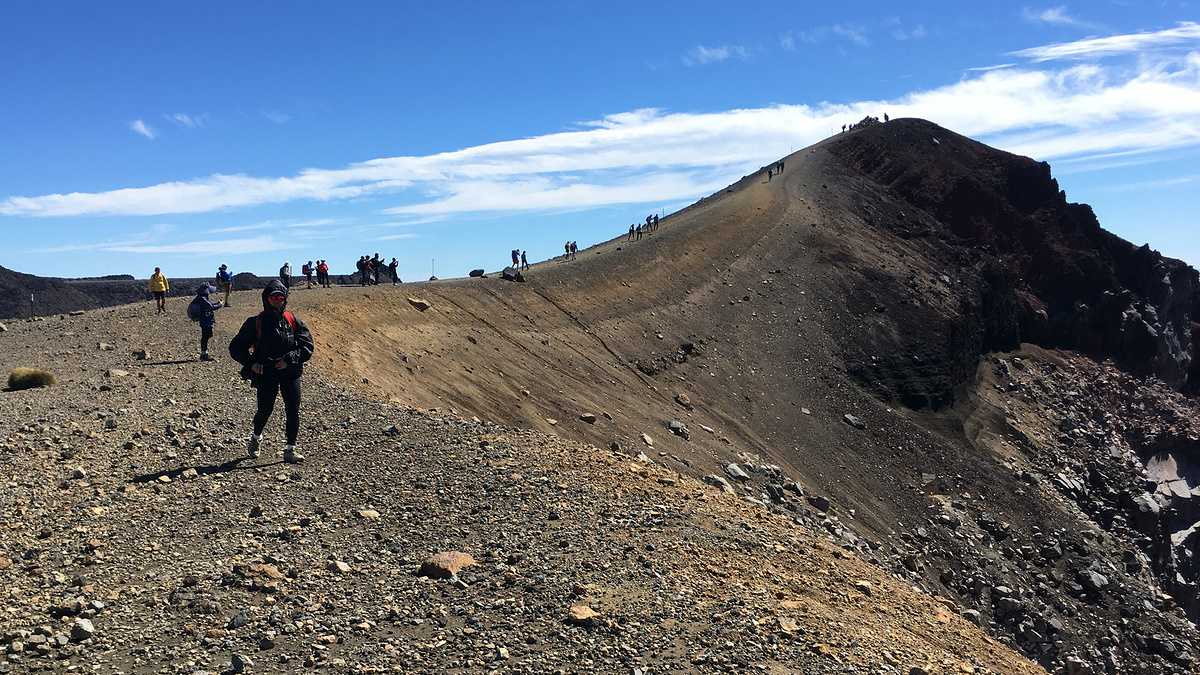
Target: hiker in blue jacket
{"type": "Point", "coordinates": [272, 348]}
{"type": "Point", "coordinates": [207, 309]}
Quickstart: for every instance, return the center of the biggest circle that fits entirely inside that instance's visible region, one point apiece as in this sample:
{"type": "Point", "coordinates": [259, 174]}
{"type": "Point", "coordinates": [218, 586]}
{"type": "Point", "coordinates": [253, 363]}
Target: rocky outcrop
{"type": "Point", "coordinates": [1058, 278]}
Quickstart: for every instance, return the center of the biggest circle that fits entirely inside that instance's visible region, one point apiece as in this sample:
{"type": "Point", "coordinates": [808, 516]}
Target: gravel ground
{"type": "Point", "coordinates": [137, 537]}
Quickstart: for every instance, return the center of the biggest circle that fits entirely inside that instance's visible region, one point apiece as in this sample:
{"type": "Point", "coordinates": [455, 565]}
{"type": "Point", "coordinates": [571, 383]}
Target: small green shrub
{"type": "Point", "coordinates": [28, 378]}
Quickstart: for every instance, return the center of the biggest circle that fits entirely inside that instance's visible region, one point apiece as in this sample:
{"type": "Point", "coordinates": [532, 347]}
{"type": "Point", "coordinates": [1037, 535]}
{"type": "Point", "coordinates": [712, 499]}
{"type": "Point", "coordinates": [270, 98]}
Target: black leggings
{"type": "Point", "coordinates": [290, 390]}
{"type": "Point", "coordinates": [205, 334]}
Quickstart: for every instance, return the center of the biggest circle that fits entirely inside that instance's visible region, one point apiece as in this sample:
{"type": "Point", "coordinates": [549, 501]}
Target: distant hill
{"type": "Point", "coordinates": [25, 295]}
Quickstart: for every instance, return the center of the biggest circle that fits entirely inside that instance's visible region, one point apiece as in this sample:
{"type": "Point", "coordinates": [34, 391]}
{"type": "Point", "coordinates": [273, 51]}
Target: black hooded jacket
{"type": "Point", "coordinates": [275, 339]}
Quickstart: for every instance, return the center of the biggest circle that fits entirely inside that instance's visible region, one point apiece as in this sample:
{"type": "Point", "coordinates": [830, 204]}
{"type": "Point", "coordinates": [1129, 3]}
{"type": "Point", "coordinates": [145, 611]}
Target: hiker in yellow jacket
{"type": "Point", "coordinates": [159, 288]}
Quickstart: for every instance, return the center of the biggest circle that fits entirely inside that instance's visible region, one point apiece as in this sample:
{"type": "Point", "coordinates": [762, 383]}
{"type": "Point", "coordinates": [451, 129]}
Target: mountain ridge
{"type": "Point", "coordinates": [866, 355]}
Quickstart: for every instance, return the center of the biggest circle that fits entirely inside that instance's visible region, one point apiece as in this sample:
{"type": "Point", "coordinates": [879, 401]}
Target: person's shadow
{"type": "Point", "coordinates": [224, 467]}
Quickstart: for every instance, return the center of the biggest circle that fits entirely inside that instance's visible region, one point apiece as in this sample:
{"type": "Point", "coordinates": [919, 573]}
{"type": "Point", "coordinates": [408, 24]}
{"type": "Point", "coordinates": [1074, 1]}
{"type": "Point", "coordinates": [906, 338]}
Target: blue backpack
{"type": "Point", "coordinates": [194, 311]}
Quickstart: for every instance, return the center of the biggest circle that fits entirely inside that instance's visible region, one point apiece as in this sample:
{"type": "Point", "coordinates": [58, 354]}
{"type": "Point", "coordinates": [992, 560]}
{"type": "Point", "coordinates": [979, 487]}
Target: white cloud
{"type": "Point", "coordinates": [209, 247]}
{"type": "Point", "coordinates": [190, 121]}
{"type": "Point", "coordinates": [1056, 16]}
{"type": "Point", "coordinates": [142, 128]}
{"type": "Point", "coordinates": [275, 116]}
{"type": "Point", "coordinates": [701, 55]}
{"type": "Point", "coordinates": [914, 34]}
{"type": "Point", "coordinates": [856, 34]}
{"type": "Point", "coordinates": [787, 42]}
{"type": "Point", "coordinates": [1083, 114]}
{"type": "Point", "coordinates": [1186, 33]}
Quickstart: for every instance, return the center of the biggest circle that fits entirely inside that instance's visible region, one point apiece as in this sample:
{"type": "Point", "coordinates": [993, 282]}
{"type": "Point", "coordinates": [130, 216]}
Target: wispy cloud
{"type": "Point", "coordinates": [190, 121]}
{"type": "Point", "coordinates": [149, 242]}
{"type": "Point", "coordinates": [1056, 16]}
{"type": "Point", "coordinates": [1080, 114]}
{"type": "Point", "coordinates": [901, 33]}
{"type": "Point", "coordinates": [701, 56]}
{"type": "Point", "coordinates": [1186, 33]}
{"type": "Point", "coordinates": [275, 116]}
{"type": "Point", "coordinates": [1152, 184]}
{"type": "Point", "coordinates": [854, 33]}
{"type": "Point", "coordinates": [142, 128]}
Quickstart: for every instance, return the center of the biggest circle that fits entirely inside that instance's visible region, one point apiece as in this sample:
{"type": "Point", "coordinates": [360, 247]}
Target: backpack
{"type": "Point", "coordinates": [194, 311]}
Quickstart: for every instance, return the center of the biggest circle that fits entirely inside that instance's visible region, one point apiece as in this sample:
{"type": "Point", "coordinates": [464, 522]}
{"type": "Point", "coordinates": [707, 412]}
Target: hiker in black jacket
{"type": "Point", "coordinates": [272, 348]}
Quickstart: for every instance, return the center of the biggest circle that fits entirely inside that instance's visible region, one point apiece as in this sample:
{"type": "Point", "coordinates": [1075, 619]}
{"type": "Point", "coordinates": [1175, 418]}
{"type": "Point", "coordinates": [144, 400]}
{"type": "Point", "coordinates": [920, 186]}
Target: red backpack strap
{"type": "Point", "coordinates": [258, 323]}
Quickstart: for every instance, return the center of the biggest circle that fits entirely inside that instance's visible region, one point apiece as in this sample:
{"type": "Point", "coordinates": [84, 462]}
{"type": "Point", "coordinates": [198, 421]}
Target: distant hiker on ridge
{"type": "Point", "coordinates": [272, 348]}
{"type": "Point", "coordinates": [392, 269]}
{"type": "Point", "coordinates": [285, 274]}
{"type": "Point", "coordinates": [159, 289]}
{"type": "Point", "coordinates": [516, 257]}
{"type": "Point", "coordinates": [524, 260]}
{"type": "Point", "coordinates": [376, 264]}
{"type": "Point", "coordinates": [630, 237]}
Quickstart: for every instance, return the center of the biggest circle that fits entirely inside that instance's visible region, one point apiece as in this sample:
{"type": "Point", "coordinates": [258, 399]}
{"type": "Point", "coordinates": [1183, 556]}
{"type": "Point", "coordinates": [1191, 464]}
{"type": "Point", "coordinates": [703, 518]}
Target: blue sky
{"type": "Point", "coordinates": [144, 134]}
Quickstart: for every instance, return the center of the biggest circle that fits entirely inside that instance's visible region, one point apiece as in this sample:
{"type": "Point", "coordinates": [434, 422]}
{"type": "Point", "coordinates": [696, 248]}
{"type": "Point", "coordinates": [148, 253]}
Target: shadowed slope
{"type": "Point", "coordinates": [867, 280]}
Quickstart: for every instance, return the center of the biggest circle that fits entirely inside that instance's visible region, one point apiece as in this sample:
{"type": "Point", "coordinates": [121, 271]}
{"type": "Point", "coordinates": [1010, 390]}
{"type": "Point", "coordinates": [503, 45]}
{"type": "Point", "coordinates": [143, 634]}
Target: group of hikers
{"type": "Point", "coordinates": [866, 121]}
{"type": "Point", "coordinates": [520, 259]}
{"type": "Point", "coordinates": [775, 169]}
{"type": "Point", "coordinates": [637, 229]}
{"type": "Point", "coordinates": [368, 270]}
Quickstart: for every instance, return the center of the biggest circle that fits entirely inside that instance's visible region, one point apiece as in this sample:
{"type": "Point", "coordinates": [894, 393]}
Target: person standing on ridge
{"type": "Point", "coordinates": [392, 266]}
{"type": "Point", "coordinates": [206, 309]}
{"type": "Point", "coordinates": [524, 260]}
{"type": "Point", "coordinates": [285, 274]}
{"type": "Point", "coordinates": [376, 263]}
{"type": "Point", "coordinates": [272, 348]}
{"type": "Point", "coordinates": [159, 288]}
{"type": "Point", "coordinates": [225, 282]}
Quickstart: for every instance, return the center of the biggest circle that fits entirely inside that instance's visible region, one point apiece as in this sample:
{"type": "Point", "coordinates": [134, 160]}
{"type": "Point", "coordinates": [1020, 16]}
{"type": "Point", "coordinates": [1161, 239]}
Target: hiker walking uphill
{"type": "Point", "coordinates": [159, 288]}
{"type": "Point", "coordinates": [272, 348]}
{"type": "Point", "coordinates": [203, 311]}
